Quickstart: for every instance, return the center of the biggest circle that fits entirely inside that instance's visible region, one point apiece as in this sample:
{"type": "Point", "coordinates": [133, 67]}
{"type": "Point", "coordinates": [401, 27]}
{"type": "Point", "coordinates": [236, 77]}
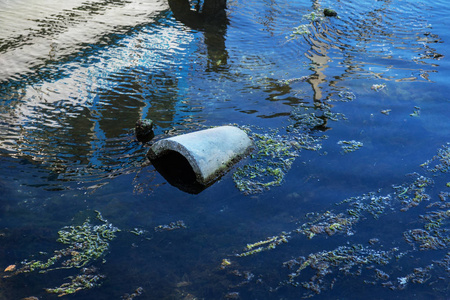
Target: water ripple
{"type": "Point", "coordinates": [63, 112]}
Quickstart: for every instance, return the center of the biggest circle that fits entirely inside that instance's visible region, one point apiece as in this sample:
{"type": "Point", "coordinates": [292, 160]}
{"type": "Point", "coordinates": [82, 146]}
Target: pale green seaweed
{"type": "Point", "coordinates": [440, 163]}
{"type": "Point", "coordinates": [346, 259]}
{"type": "Point", "coordinates": [353, 260]}
{"type": "Point", "coordinates": [350, 146]}
{"type": "Point", "coordinates": [86, 244]}
{"type": "Point", "coordinates": [378, 87]}
{"type": "Point", "coordinates": [171, 226]}
{"type": "Point", "coordinates": [87, 279]}
{"type": "Point", "coordinates": [272, 157]}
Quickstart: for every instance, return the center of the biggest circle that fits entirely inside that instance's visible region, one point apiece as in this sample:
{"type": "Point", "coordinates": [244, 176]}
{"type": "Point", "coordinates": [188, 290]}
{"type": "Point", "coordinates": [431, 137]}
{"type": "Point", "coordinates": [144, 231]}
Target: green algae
{"type": "Point", "coordinates": [378, 87]}
{"type": "Point", "coordinates": [380, 266]}
{"type": "Point", "coordinates": [425, 240]}
{"type": "Point", "coordinates": [171, 226]}
{"type": "Point", "coordinates": [137, 292]}
{"type": "Point", "coordinates": [440, 163]}
{"type": "Point", "coordinates": [350, 146]}
{"type": "Point", "coordinates": [344, 259]}
{"type": "Point", "coordinates": [267, 244]}
{"type": "Point", "coordinates": [86, 243]}
{"type": "Point", "coordinates": [299, 30]}
{"type": "Point", "coordinates": [275, 152]}
{"type": "Point", "coordinates": [413, 194]}
{"type": "Point", "coordinates": [303, 29]}
{"type": "Point", "coordinates": [416, 112]}
{"type": "Point", "coordinates": [271, 160]}
{"type": "Point", "coordinates": [87, 279]}
{"type": "Point", "coordinates": [327, 223]}
{"type": "Point", "coordinates": [346, 96]}
{"type": "Point", "coordinates": [371, 203]}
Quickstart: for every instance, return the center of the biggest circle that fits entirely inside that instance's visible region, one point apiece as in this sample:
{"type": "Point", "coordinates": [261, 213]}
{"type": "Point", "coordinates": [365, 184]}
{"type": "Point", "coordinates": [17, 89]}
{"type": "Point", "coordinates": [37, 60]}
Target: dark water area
{"type": "Point", "coordinates": [353, 110]}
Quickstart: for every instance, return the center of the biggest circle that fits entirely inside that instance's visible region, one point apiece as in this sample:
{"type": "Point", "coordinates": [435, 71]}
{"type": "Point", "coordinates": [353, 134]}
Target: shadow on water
{"type": "Point", "coordinates": [176, 169]}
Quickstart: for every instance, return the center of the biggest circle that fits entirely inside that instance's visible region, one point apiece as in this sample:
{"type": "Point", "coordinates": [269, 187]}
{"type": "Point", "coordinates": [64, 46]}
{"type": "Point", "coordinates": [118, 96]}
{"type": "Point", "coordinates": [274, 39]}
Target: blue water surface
{"type": "Point", "coordinates": [372, 223]}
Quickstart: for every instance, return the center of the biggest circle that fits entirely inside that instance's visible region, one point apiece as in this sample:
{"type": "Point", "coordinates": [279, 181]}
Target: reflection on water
{"type": "Point", "coordinates": [75, 76]}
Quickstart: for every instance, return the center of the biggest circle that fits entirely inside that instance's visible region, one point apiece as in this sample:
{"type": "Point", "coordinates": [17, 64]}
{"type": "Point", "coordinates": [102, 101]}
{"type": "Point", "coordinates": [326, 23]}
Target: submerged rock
{"type": "Point", "coordinates": [144, 130]}
{"type": "Point", "coordinates": [328, 12]}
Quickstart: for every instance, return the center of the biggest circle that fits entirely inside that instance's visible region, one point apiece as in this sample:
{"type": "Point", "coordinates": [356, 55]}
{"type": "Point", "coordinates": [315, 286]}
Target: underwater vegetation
{"type": "Point", "coordinates": [133, 295]}
{"type": "Point", "coordinates": [376, 263]}
{"type": "Point", "coordinates": [171, 226]}
{"type": "Point", "coordinates": [350, 146]}
{"type": "Point", "coordinates": [315, 16]}
{"type": "Point", "coordinates": [345, 259]}
{"type": "Point", "coordinates": [86, 244]}
{"type": "Point", "coordinates": [378, 87]}
{"type": "Point", "coordinates": [416, 112]}
{"type": "Point", "coordinates": [85, 280]}
{"type": "Point", "coordinates": [268, 244]}
{"type": "Point", "coordinates": [440, 162]}
{"type": "Point", "coordinates": [276, 150]}
{"type": "Point", "coordinates": [272, 157]}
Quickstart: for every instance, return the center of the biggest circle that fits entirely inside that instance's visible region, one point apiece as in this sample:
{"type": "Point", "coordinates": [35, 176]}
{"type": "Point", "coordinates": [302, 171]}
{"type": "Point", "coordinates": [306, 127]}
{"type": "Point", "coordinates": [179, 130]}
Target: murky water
{"type": "Point", "coordinates": [369, 222]}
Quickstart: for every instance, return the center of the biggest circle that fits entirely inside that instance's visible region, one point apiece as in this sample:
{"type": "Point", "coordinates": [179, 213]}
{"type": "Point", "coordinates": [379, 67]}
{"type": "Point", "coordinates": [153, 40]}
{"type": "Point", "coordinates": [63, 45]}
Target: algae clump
{"type": "Point", "coordinates": [86, 243]}
{"type": "Point", "coordinates": [350, 146]}
{"type": "Point", "coordinates": [271, 159]}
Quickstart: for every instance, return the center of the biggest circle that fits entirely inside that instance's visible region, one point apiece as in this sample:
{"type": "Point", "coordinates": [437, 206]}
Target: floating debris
{"type": "Point", "coordinates": [87, 279]}
{"type": "Point", "coordinates": [350, 146]}
{"type": "Point", "coordinates": [172, 226]}
{"type": "Point", "coordinates": [10, 268]}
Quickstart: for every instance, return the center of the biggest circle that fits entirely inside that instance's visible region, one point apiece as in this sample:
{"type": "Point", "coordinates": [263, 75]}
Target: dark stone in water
{"type": "Point", "coordinates": [144, 130]}
{"type": "Point", "coordinates": [329, 12]}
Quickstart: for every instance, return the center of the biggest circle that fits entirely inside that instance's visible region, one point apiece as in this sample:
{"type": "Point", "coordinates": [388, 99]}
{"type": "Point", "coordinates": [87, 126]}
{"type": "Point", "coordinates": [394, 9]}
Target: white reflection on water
{"type": "Point", "coordinates": [35, 33]}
